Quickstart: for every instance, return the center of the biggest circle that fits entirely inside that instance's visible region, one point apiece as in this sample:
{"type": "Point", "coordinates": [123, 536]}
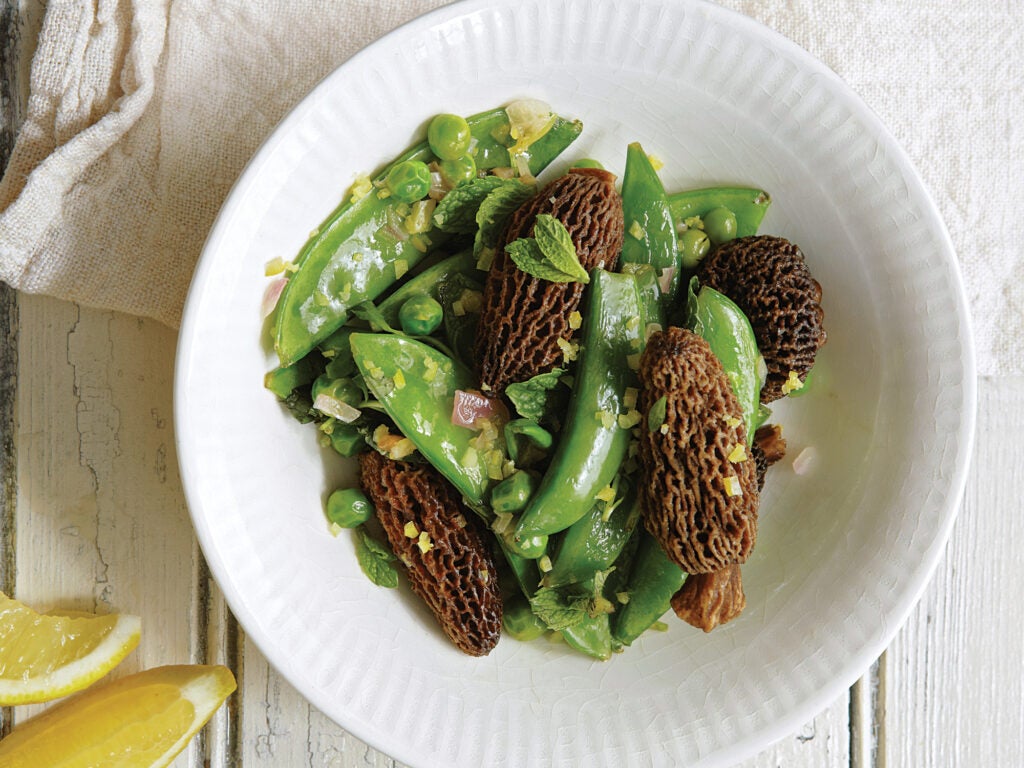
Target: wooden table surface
{"type": "Point", "coordinates": [92, 517]}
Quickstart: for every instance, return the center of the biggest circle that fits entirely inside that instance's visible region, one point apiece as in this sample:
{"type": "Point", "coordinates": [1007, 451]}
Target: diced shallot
{"type": "Point", "coordinates": [805, 460]}
{"type": "Point", "coordinates": [665, 279]}
{"type": "Point", "coordinates": [272, 294]}
{"type": "Point", "coordinates": [471, 407]}
{"type": "Point", "coordinates": [339, 409]}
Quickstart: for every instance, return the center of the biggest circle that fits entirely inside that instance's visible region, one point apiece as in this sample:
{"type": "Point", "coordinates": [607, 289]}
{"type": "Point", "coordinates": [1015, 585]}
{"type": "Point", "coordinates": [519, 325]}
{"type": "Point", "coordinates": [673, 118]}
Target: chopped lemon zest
{"type": "Point", "coordinates": [485, 575]}
{"type": "Point", "coordinates": [360, 188]}
{"type": "Point", "coordinates": [334, 529]}
{"type": "Point", "coordinates": [471, 459]}
{"type": "Point", "coordinates": [732, 421]}
{"type": "Point", "coordinates": [274, 267]}
{"type": "Point", "coordinates": [486, 259]}
{"type": "Point", "coordinates": [792, 383]}
{"type": "Point", "coordinates": [575, 320]}
{"type": "Point", "coordinates": [633, 361]}
{"type": "Point", "coordinates": [630, 397]}
{"type": "Point", "coordinates": [570, 351]}
{"type": "Point", "coordinates": [738, 454]}
{"type": "Point", "coordinates": [663, 429]}
{"type": "Point", "coordinates": [632, 322]}
{"type": "Point", "coordinates": [606, 494]}
{"type": "Point", "coordinates": [401, 267]}
{"type": "Point", "coordinates": [399, 379]}
{"type": "Point", "coordinates": [458, 309]}
{"type": "Point", "coordinates": [424, 542]}
{"type": "Point", "coordinates": [637, 231]}
{"type": "Point", "coordinates": [410, 530]}
{"type": "Point", "coordinates": [656, 162]}
{"type": "Point", "coordinates": [622, 597]}
{"type": "Point", "coordinates": [630, 418]}
{"type": "Point", "coordinates": [732, 486]}
{"type": "Point", "coordinates": [402, 448]}
{"type": "Point", "coordinates": [545, 564]}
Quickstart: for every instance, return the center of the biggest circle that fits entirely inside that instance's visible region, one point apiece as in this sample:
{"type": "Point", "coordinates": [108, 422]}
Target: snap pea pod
{"type": "Point", "coordinates": [427, 283]}
{"type": "Point", "coordinates": [715, 318]}
{"type": "Point", "coordinates": [593, 442]}
{"type": "Point", "coordinates": [594, 543]}
{"type": "Point", "coordinates": [653, 580]}
{"type": "Point", "coordinates": [519, 619]}
{"type": "Point", "coordinates": [416, 385]}
{"type": "Point", "coordinates": [354, 255]}
{"type": "Point", "coordinates": [591, 636]}
{"type": "Point", "coordinates": [650, 236]}
{"type": "Point", "coordinates": [281, 381]}
{"type": "Point", "coordinates": [749, 205]}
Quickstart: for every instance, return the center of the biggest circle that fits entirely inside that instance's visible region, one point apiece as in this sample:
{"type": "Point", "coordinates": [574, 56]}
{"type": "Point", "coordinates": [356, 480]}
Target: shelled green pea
{"type": "Point", "coordinates": [348, 508]}
{"type": "Point", "coordinates": [420, 315]}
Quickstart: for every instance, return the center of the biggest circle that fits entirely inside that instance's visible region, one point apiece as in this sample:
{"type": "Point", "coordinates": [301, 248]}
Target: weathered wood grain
{"type": "Point", "coordinates": [955, 674]}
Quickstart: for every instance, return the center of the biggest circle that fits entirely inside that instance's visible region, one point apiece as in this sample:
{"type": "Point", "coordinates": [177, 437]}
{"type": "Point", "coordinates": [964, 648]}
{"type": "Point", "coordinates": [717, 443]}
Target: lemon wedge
{"type": "Point", "coordinates": [43, 657]}
{"type": "Point", "coordinates": [140, 721]}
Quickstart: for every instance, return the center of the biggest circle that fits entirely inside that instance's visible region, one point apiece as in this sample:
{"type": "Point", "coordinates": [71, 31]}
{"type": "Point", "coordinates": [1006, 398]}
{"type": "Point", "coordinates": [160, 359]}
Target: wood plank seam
{"type": "Point", "coordinates": [10, 113]}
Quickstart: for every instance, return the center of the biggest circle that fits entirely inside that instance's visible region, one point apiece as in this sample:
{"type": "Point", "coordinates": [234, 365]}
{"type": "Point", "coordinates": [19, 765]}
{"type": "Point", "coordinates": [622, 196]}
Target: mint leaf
{"type": "Point", "coordinates": [528, 256]}
{"type": "Point", "coordinates": [495, 211]}
{"type": "Point", "coordinates": [557, 611]}
{"type": "Point", "coordinates": [456, 212]}
{"type": "Point", "coordinates": [556, 244]}
{"type": "Point", "coordinates": [656, 416]}
{"type": "Point", "coordinates": [375, 559]}
{"type": "Point", "coordinates": [532, 397]}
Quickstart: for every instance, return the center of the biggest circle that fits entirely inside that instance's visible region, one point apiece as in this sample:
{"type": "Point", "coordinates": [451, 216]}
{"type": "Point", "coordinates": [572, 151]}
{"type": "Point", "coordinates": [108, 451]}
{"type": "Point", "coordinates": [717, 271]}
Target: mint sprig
{"type": "Point", "coordinates": [456, 212]}
{"type": "Point", "coordinates": [549, 254]}
{"type": "Point", "coordinates": [375, 559]}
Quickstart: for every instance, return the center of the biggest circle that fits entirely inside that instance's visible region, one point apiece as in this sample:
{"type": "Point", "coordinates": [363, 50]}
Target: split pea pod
{"type": "Point", "coordinates": [595, 438]}
{"type": "Point", "coordinates": [416, 384]}
{"type": "Point", "coordinates": [428, 283]}
{"type": "Point", "coordinates": [355, 253]}
{"type": "Point", "coordinates": [748, 204]}
{"type": "Point", "coordinates": [650, 236]}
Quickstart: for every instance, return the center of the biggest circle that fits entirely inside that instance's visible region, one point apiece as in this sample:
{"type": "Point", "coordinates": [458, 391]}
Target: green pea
{"type": "Point", "coordinates": [693, 246]}
{"type": "Point", "coordinates": [347, 440]}
{"type": "Point", "coordinates": [345, 390]}
{"type": "Point", "coordinates": [520, 621]}
{"type": "Point", "coordinates": [409, 181]}
{"type": "Point", "coordinates": [587, 162]}
{"type": "Point", "coordinates": [349, 508]}
{"type": "Point", "coordinates": [420, 315]}
{"type": "Point", "coordinates": [449, 136]}
{"type": "Point", "coordinates": [720, 225]}
{"type": "Point", "coordinates": [454, 172]}
{"type": "Point", "coordinates": [512, 493]}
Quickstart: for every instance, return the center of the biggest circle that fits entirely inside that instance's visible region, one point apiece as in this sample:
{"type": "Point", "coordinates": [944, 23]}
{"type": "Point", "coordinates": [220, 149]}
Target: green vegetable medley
{"type": "Point", "coordinates": [374, 327]}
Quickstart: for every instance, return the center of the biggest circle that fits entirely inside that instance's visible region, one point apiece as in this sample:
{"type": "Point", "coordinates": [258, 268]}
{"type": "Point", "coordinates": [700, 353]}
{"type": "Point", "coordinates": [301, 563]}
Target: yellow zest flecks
{"type": "Point", "coordinates": [274, 267]}
{"type": "Point", "coordinates": [410, 530]}
{"type": "Point", "coordinates": [792, 383]}
{"type": "Point", "coordinates": [401, 448]}
{"type": "Point", "coordinates": [663, 429]}
{"type": "Point", "coordinates": [738, 454]}
{"type": "Point", "coordinates": [575, 320]}
{"type": "Point", "coordinates": [656, 162]}
{"type": "Point", "coordinates": [630, 418]}
{"type": "Point", "coordinates": [607, 419]}
{"type": "Point", "coordinates": [637, 231]}
{"type": "Point", "coordinates": [431, 369]}
{"type": "Point", "coordinates": [545, 565]}
{"type": "Point", "coordinates": [570, 351]}
{"type": "Point", "coordinates": [399, 379]}
{"type": "Point", "coordinates": [401, 267]}
{"type": "Point", "coordinates": [732, 421]}
{"type": "Point", "coordinates": [633, 361]}
{"type": "Point", "coordinates": [360, 188]}
{"type": "Point", "coordinates": [630, 397]}
{"type": "Point", "coordinates": [732, 486]}
{"type": "Point", "coordinates": [606, 494]}
{"type": "Point", "coordinates": [424, 542]}
{"type": "Point", "coordinates": [622, 597]}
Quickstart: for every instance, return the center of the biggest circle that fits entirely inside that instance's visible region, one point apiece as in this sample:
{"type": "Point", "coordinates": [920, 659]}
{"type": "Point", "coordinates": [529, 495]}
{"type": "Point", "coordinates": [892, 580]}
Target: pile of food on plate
{"type": "Point", "coordinates": [557, 393]}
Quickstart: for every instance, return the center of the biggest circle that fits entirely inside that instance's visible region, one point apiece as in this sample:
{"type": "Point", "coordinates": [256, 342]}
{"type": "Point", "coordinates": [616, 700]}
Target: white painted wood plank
{"type": "Point", "coordinates": [101, 520]}
{"type": "Point", "coordinates": [955, 674]}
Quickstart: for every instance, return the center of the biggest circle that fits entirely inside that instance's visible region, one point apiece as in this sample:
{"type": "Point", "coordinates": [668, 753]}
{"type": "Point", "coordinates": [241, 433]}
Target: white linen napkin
{"type": "Point", "coordinates": [142, 114]}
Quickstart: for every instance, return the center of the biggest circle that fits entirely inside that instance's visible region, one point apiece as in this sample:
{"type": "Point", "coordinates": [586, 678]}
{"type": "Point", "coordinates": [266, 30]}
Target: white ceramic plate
{"type": "Point", "coordinates": [843, 552]}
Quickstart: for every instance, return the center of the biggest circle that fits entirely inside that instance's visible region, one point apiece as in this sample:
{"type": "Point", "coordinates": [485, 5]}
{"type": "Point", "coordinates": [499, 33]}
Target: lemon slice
{"type": "Point", "coordinates": [139, 721]}
{"type": "Point", "coordinates": [46, 656]}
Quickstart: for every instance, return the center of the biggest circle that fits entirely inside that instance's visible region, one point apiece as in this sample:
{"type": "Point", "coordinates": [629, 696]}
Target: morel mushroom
{"type": "Point", "coordinates": [447, 560]}
{"type": "Point", "coordinates": [769, 280]}
{"type": "Point", "coordinates": [699, 492]}
{"type": "Point", "coordinates": [769, 447]}
{"type": "Point", "coordinates": [708, 600]}
{"type": "Point", "coordinates": [524, 319]}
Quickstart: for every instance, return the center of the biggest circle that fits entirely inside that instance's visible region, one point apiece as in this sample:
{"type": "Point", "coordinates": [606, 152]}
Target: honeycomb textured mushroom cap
{"type": "Point", "coordinates": [700, 506]}
{"type": "Point", "coordinates": [523, 317]}
{"type": "Point", "coordinates": [768, 278]}
{"type": "Point", "coordinates": [456, 576]}
{"type": "Point", "coordinates": [769, 446]}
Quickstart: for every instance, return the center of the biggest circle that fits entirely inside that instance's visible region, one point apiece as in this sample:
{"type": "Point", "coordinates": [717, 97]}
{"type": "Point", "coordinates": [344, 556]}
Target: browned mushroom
{"type": "Point", "coordinates": [769, 447]}
{"type": "Point", "coordinates": [769, 280]}
{"type": "Point", "coordinates": [524, 318]}
{"type": "Point", "coordinates": [708, 600]}
{"type": "Point", "coordinates": [447, 560]}
{"type": "Point", "coordinates": [700, 505]}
